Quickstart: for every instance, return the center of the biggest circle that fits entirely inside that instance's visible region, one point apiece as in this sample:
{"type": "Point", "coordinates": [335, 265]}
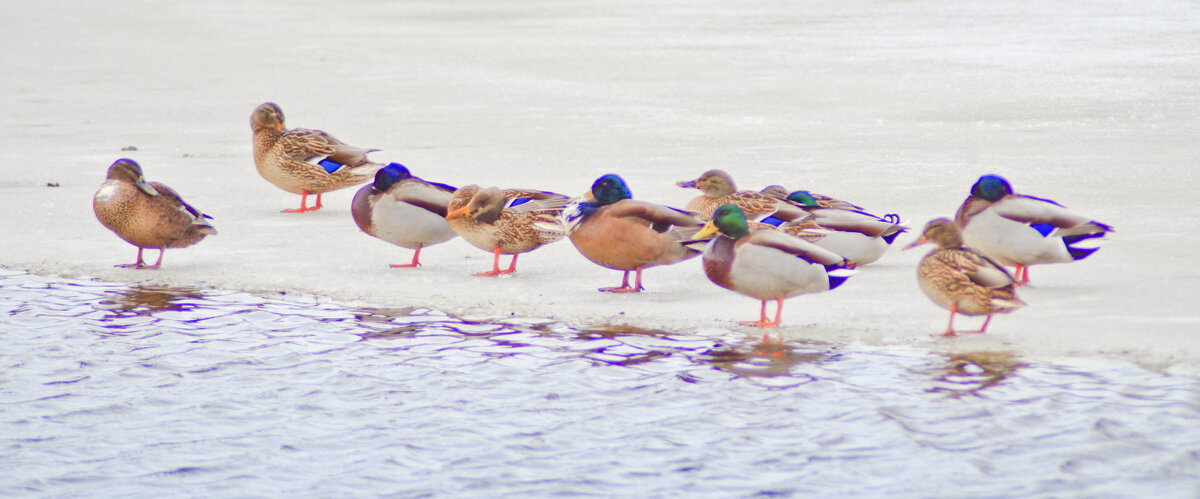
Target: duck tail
{"type": "Point", "coordinates": [839, 273]}
{"type": "Point", "coordinates": [1007, 300]}
{"type": "Point", "coordinates": [1082, 241]}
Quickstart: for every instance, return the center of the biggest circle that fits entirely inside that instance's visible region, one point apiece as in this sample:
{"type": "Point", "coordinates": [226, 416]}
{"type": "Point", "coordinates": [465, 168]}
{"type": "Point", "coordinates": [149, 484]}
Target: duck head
{"type": "Point", "coordinates": [941, 232]}
{"type": "Point", "coordinates": [991, 188]}
{"type": "Point", "coordinates": [390, 175]}
{"type": "Point", "coordinates": [127, 170]}
{"type": "Point", "coordinates": [713, 183]}
{"type": "Point", "coordinates": [267, 115]}
{"type": "Point", "coordinates": [727, 219]}
{"type": "Point", "coordinates": [609, 189]}
{"type": "Point", "coordinates": [482, 205]}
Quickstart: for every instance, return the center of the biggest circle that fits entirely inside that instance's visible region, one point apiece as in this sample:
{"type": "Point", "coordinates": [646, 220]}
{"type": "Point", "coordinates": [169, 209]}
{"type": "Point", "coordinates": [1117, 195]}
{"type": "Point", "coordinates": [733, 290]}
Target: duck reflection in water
{"type": "Point", "coordinates": [972, 372]}
{"type": "Point", "coordinates": [619, 345]}
{"type": "Point", "coordinates": [146, 300]}
{"type": "Point", "coordinates": [767, 358]}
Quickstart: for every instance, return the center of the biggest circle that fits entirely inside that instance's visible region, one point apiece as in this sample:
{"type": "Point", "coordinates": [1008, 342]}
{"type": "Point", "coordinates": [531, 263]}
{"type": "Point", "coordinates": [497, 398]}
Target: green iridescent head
{"type": "Point", "coordinates": [991, 188]}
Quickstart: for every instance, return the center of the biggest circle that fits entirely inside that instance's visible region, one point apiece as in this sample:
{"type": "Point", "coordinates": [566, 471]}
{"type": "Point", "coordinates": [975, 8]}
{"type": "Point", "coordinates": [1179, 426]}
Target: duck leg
{"type": "Point", "coordinates": [512, 267]}
{"type": "Point", "coordinates": [762, 314]}
{"type": "Point", "coordinates": [623, 288]}
{"type": "Point", "coordinates": [136, 265]}
{"type": "Point", "coordinates": [982, 329]}
{"type": "Point", "coordinates": [416, 260]}
{"type": "Point", "coordinates": [637, 285]}
{"type": "Point", "coordinates": [304, 204]}
{"type": "Point", "coordinates": [950, 327]}
{"type": "Point", "coordinates": [158, 263]}
{"type": "Point", "coordinates": [1022, 274]}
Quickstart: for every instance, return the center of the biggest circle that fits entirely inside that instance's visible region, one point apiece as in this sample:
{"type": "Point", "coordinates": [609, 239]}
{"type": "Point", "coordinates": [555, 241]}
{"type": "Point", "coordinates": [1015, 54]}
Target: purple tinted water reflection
{"type": "Point", "coordinates": [108, 389]}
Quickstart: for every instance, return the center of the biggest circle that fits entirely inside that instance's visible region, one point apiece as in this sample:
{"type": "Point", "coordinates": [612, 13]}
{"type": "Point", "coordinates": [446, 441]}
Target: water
{"type": "Point", "coordinates": [112, 390]}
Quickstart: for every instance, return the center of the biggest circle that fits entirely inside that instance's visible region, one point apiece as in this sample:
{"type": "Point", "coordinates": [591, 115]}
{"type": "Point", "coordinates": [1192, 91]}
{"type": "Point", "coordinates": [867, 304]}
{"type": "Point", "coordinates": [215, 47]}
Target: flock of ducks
{"type": "Point", "coordinates": [770, 244]}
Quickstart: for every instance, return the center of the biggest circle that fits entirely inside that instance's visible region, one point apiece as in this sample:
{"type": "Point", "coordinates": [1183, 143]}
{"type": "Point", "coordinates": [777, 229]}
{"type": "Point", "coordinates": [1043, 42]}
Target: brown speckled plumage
{"type": "Point", "coordinates": [717, 188]}
{"type": "Point", "coordinates": [960, 279]}
{"type": "Point", "coordinates": [147, 215]}
{"type": "Point", "coordinates": [823, 201]}
{"type": "Point", "coordinates": [287, 158]}
{"type": "Point", "coordinates": [482, 217]}
{"type": "Point", "coordinates": [832, 224]}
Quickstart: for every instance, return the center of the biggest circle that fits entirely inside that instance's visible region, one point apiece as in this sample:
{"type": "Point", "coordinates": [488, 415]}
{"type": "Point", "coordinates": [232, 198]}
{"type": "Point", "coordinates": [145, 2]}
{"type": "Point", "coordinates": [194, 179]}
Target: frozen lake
{"type": "Point", "coordinates": [188, 380]}
{"type": "Point", "coordinates": [119, 390]}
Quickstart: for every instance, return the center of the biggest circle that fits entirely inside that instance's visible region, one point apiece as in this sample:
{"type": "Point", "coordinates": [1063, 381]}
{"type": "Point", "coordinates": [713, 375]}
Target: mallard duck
{"type": "Point", "coordinates": [717, 188]}
{"type": "Point", "coordinates": [1020, 230]}
{"type": "Point", "coordinates": [505, 222]}
{"type": "Point", "coordinates": [615, 231]}
{"type": "Point", "coordinates": [403, 210]}
{"type": "Point", "coordinates": [767, 264]}
{"type": "Point", "coordinates": [303, 161]}
{"type": "Point", "coordinates": [778, 191]}
{"type": "Point", "coordinates": [860, 237]}
{"type": "Point", "coordinates": [960, 279]}
{"type": "Point", "coordinates": [147, 215]}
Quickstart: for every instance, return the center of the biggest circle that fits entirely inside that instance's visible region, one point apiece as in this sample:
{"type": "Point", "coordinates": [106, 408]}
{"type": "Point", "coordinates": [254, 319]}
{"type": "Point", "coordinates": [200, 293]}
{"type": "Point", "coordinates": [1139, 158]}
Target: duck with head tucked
{"type": "Point", "coordinates": [403, 210]}
{"type": "Point", "coordinates": [778, 191]}
{"type": "Point", "coordinates": [1018, 230]}
{"type": "Point", "coordinates": [303, 161]}
{"type": "Point", "coordinates": [717, 188]}
{"type": "Point", "coordinates": [147, 214]}
{"type": "Point", "coordinates": [615, 231]}
{"type": "Point", "coordinates": [505, 221]}
{"type": "Point", "coordinates": [961, 280]}
{"type": "Point", "coordinates": [767, 264]}
{"type": "Point", "coordinates": [860, 237]}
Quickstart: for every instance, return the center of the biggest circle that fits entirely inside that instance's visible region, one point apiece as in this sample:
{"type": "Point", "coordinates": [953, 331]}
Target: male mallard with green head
{"type": "Point", "coordinates": [767, 264]}
{"type": "Point", "coordinates": [403, 210]}
{"type": "Point", "coordinates": [1019, 230]}
{"type": "Point", "coordinates": [612, 230]}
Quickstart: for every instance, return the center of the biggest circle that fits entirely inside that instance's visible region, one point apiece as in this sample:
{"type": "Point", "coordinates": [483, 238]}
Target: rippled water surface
{"type": "Point", "coordinates": [113, 390]}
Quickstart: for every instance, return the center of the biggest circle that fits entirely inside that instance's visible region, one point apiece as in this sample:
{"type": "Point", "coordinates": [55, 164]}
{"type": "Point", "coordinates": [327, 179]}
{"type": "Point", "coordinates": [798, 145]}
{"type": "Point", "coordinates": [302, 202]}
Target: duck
{"type": "Point", "coordinates": [403, 210]}
{"type": "Point", "coordinates": [615, 231]}
{"type": "Point", "coordinates": [303, 161]}
{"type": "Point", "coordinates": [506, 221]}
{"type": "Point", "coordinates": [1019, 230]}
{"type": "Point", "coordinates": [779, 191]}
{"type": "Point", "coordinates": [766, 264]}
{"type": "Point", "coordinates": [962, 280]}
{"type": "Point", "coordinates": [861, 237]}
{"type": "Point", "coordinates": [147, 214]}
{"type": "Point", "coordinates": [717, 187]}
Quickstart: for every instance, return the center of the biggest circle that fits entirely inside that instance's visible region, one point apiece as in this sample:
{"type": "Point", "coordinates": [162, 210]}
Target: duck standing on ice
{"type": "Point", "coordinates": [303, 161]}
{"type": "Point", "coordinates": [1019, 230]}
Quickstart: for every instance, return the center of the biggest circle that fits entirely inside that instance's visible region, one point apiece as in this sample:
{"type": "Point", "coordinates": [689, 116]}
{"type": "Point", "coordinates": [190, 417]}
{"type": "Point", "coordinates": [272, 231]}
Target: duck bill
{"type": "Point", "coordinates": [146, 188]}
{"type": "Point", "coordinates": [686, 184]}
{"type": "Point", "coordinates": [461, 212]}
{"type": "Point", "coordinates": [707, 231]}
{"type": "Point", "coordinates": [916, 243]}
{"type": "Point", "coordinates": [279, 127]}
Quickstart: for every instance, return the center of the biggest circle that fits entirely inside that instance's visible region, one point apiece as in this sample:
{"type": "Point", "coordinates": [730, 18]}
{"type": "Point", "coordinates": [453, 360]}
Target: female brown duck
{"type": "Point", "coordinates": [505, 222]}
{"type": "Point", "coordinates": [960, 279]}
{"type": "Point", "coordinates": [303, 161]}
{"type": "Point", "coordinates": [147, 214]}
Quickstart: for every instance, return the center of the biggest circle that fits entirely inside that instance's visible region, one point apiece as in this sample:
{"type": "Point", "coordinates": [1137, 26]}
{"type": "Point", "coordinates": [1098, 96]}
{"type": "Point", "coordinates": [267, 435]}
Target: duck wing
{"type": "Point", "coordinates": [792, 245]}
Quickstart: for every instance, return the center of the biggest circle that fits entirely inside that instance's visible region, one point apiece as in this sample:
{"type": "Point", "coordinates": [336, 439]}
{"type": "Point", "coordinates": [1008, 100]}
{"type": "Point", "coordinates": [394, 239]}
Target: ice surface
{"type": "Point", "coordinates": [897, 106]}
